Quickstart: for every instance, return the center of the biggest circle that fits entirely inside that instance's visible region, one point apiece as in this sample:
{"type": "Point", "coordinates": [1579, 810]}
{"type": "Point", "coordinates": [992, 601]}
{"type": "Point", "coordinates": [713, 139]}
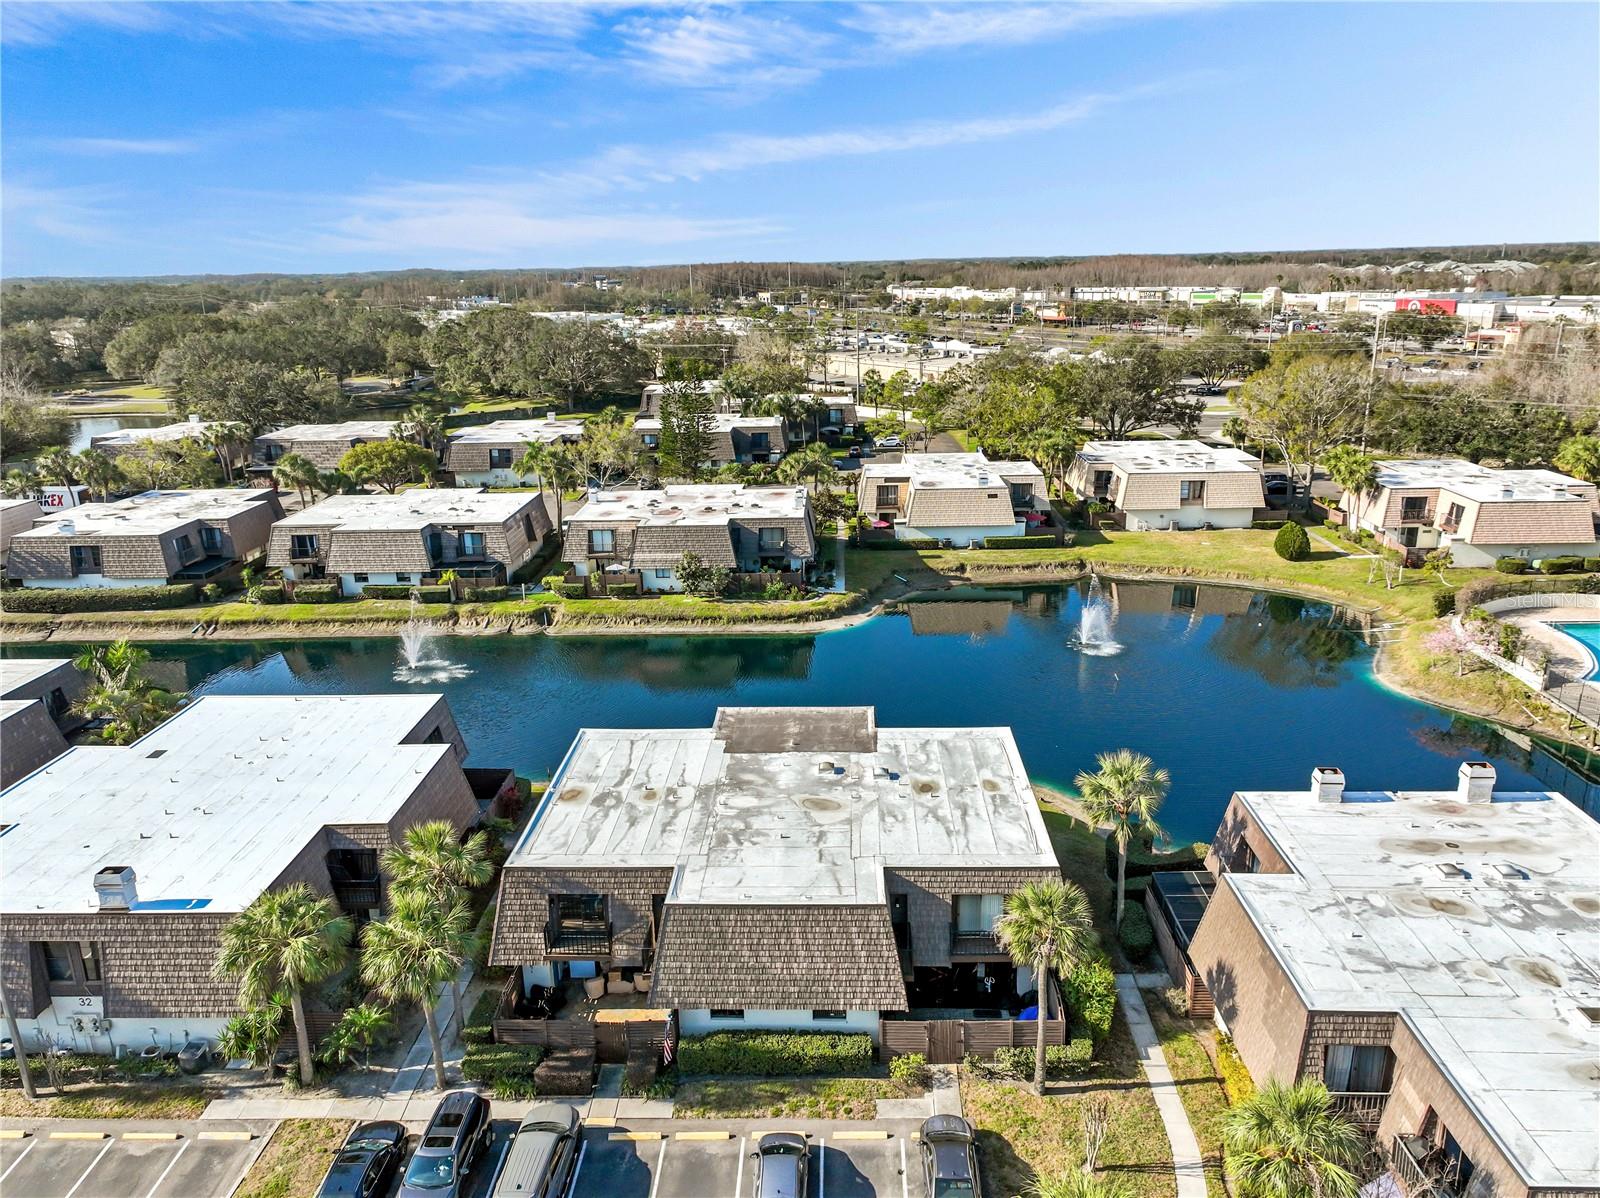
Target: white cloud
{"type": "Point", "coordinates": [70, 213]}
{"type": "Point", "coordinates": [904, 30]}
{"type": "Point", "coordinates": [722, 49]}
{"type": "Point", "coordinates": [122, 145]}
{"type": "Point", "coordinates": [37, 23]}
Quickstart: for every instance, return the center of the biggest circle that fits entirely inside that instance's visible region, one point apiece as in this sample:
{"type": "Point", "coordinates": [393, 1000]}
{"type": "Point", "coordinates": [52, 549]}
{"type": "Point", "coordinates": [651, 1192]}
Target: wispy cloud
{"type": "Point", "coordinates": [76, 214]}
{"type": "Point", "coordinates": [39, 23]}
{"type": "Point", "coordinates": [122, 145]}
{"type": "Point", "coordinates": [723, 49]}
{"type": "Point", "coordinates": [904, 30]}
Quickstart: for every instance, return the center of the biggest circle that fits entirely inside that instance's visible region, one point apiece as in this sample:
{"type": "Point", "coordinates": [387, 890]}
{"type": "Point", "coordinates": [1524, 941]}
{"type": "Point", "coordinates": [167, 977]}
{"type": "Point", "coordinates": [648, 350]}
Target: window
{"type": "Point", "coordinates": [58, 962]}
{"type": "Point", "coordinates": [1249, 863]}
{"type": "Point", "coordinates": [1191, 491]}
{"type": "Point", "coordinates": [835, 416]}
{"type": "Point", "coordinates": [86, 559]}
{"type": "Point", "coordinates": [211, 539]}
{"type": "Point", "coordinates": [651, 440]}
{"type": "Point", "coordinates": [436, 737]}
{"type": "Point", "coordinates": [57, 704]}
{"type": "Point", "coordinates": [660, 572]}
{"type": "Point", "coordinates": [499, 459]}
{"type": "Point", "coordinates": [527, 527]}
{"type": "Point", "coordinates": [472, 544]}
{"type": "Point", "coordinates": [359, 577]}
{"type": "Point", "coordinates": [1414, 507]}
{"type": "Point", "coordinates": [578, 923]}
{"type": "Point", "coordinates": [759, 441]}
{"type": "Point", "coordinates": [1357, 1068]}
{"type": "Point", "coordinates": [71, 966]}
{"type": "Point", "coordinates": [888, 495]}
{"type": "Point", "coordinates": [1452, 517]}
{"type": "Point", "coordinates": [302, 545]}
{"type": "Point", "coordinates": [602, 540]}
{"type": "Point", "coordinates": [772, 538]}
{"type": "Point", "coordinates": [182, 545]}
{"type": "Point", "coordinates": [977, 912]}
{"type": "Point", "coordinates": [827, 1016]}
{"type": "Point", "coordinates": [272, 451]}
{"type": "Point", "coordinates": [727, 1012]}
{"type": "Point", "coordinates": [402, 578]}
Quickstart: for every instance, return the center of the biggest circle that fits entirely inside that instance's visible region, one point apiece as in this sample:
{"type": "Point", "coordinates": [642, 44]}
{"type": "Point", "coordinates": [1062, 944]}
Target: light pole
{"type": "Point", "coordinates": [16, 1043]}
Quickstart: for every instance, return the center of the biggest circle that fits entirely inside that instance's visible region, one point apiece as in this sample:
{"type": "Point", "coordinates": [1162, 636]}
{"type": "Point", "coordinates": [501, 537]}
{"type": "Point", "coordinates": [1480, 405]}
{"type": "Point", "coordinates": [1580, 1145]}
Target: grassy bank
{"type": "Point", "coordinates": [295, 1159]}
{"type": "Point", "coordinates": [794, 1098]}
{"type": "Point", "coordinates": [1408, 665]}
{"type": "Point", "coordinates": [110, 1100]}
{"type": "Point", "coordinates": [1183, 1044]}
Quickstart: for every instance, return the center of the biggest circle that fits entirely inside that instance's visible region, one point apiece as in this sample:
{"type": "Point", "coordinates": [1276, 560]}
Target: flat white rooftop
{"type": "Point", "coordinates": [129, 438]}
{"type": "Point", "coordinates": [345, 430]}
{"type": "Point", "coordinates": [1482, 484]}
{"type": "Point", "coordinates": [417, 508]}
{"type": "Point", "coordinates": [212, 806]}
{"type": "Point", "coordinates": [1167, 457]}
{"type": "Point", "coordinates": [1479, 921]}
{"type": "Point", "coordinates": [788, 805]}
{"type": "Point", "coordinates": [20, 671]}
{"type": "Point", "coordinates": [708, 504]}
{"type": "Point", "coordinates": [500, 432]}
{"type": "Point", "coordinates": [704, 386]}
{"type": "Point", "coordinates": [722, 422]}
{"type": "Point", "coordinates": [143, 515]}
{"type": "Point", "coordinates": [950, 470]}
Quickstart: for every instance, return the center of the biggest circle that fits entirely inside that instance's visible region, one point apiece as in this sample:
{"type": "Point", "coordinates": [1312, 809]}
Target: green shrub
{"type": "Point", "coordinates": [1136, 935]}
{"type": "Point", "coordinates": [266, 593]}
{"type": "Point", "coordinates": [622, 590]}
{"type": "Point", "coordinates": [511, 1065]}
{"type": "Point", "coordinates": [1060, 1061]}
{"type": "Point", "coordinates": [911, 543]}
{"type": "Point", "coordinates": [1561, 565]}
{"type": "Point", "coordinates": [552, 582]}
{"type": "Point", "coordinates": [775, 1054]}
{"type": "Point", "coordinates": [479, 1027]}
{"type": "Point", "coordinates": [1591, 564]}
{"type": "Point", "coordinates": [911, 1068]}
{"type": "Point", "coordinates": [487, 594]}
{"type": "Point", "coordinates": [1035, 541]}
{"type": "Point", "coordinates": [1268, 525]}
{"type": "Point", "coordinates": [1511, 565]}
{"type": "Point", "coordinates": [1090, 991]}
{"type": "Point", "coordinates": [390, 590]}
{"type": "Point", "coordinates": [1292, 543]}
{"type": "Point", "coordinates": [317, 592]}
{"type": "Point", "coordinates": [57, 600]}
{"type": "Point", "coordinates": [1144, 860]}
{"type": "Point", "coordinates": [570, 590]}
{"type": "Point", "coordinates": [1444, 602]}
{"type": "Point", "coordinates": [1236, 1079]}
{"type": "Point", "coordinates": [210, 593]}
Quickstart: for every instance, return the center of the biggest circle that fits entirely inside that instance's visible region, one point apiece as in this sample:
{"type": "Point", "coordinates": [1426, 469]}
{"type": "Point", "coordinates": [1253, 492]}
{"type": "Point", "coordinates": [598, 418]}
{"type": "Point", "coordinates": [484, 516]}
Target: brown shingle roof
{"type": "Point", "coordinates": [778, 958]}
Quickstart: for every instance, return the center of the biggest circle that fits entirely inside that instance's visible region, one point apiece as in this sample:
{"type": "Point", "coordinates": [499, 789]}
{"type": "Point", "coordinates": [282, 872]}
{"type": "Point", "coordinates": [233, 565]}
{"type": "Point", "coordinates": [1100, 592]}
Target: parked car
{"type": "Point", "coordinates": [855, 451]}
{"type": "Point", "coordinates": [543, 1154]}
{"type": "Point", "coordinates": [949, 1164]}
{"type": "Point", "coordinates": [366, 1164]}
{"type": "Point", "coordinates": [781, 1160]}
{"type": "Point", "coordinates": [454, 1140]}
{"type": "Point", "coordinates": [890, 442]}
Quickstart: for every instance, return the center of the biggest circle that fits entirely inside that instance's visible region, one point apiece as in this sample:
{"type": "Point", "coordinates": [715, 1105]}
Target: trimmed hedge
{"type": "Point", "coordinates": [569, 590]}
{"type": "Point", "coordinates": [1561, 565]}
{"type": "Point", "coordinates": [1024, 542]}
{"type": "Point", "coordinates": [57, 600]}
{"type": "Point", "coordinates": [479, 1027]}
{"type": "Point", "coordinates": [622, 590]}
{"type": "Point", "coordinates": [1444, 602]}
{"type": "Point", "coordinates": [506, 1068]}
{"type": "Point", "coordinates": [1060, 1060]}
{"type": "Point", "coordinates": [1144, 861]}
{"type": "Point", "coordinates": [317, 592]}
{"type": "Point", "coordinates": [385, 590]}
{"type": "Point", "coordinates": [1292, 544]}
{"type": "Point", "coordinates": [1481, 590]}
{"type": "Point", "coordinates": [1090, 990]}
{"type": "Point", "coordinates": [911, 543]}
{"type": "Point", "coordinates": [775, 1054]}
{"type": "Point", "coordinates": [1511, 565]}
{"type": "Point", "coordinates": [1136, 935]}
{"type": "Point", "coordinates": [1267, 525]}
{"type": "Point", "coordinates": [487, 594]}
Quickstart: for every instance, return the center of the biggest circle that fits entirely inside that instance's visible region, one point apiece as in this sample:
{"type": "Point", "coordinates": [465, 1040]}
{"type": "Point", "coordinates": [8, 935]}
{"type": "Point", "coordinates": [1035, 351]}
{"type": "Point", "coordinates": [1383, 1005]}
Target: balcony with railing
{"type": "Point", "coordinates": [1421, 1168]}
{"type": "Point", "coordinates": [1364, 1109]}
{"type": "Point", "coordinates": [974, 944]}
{"type": "Point", "coordinates": [573, 938]}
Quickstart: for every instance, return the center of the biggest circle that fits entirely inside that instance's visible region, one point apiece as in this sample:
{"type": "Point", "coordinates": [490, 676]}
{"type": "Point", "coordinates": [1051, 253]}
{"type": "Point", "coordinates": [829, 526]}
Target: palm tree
{"type": "Point", "coordinates": [1290, 1142]}
{"type": "Point", "coordinates": [1352, 470]}
{"type": "Point", "coordinates": [118, 693]}
{"type": "Point", "coordinates": [1580, 456]}
{"type": "Point", "coordinates": [297, 471]}
{"type": "Point", "coordinates": [57, 466]}
{"type": "Point", "coordinates": [220, 438]}
{"type": "Point", "coordinates": [1074, 1184]}
{"type": "Point", "coordinates": [335, 482]}
{"type": "Point", "coordinates": [555, 470]}
{"type": "Point", "coordinates": [1045, 925]}
{"type": "Point", "coordinates": [1125, 792]}
{"type": "Point", "coordinates": [98, 469]}
{"type": "Point", "coordinates": [21, 483]}
{"type": "Point", "coordinates": [1236, 430]}
{"type": "Point", "coordinates": [534, 461]}
{"type": "Point", "coordinates": [422, 424]}
{"type": "Point", "coordinates": [811, 465]}
{"type": "Point", "coordinates": [431, 864]}
{"type": "Point", "coordinates": [407, 957]}
{"type": "Point", "coordinates": [285, 940]}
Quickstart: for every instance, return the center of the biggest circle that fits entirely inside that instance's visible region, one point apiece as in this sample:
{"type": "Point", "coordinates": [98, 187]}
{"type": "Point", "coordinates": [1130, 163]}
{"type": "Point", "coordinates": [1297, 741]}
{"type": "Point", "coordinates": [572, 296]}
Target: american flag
{"type": "Point", "coordinates": [669, 1045]}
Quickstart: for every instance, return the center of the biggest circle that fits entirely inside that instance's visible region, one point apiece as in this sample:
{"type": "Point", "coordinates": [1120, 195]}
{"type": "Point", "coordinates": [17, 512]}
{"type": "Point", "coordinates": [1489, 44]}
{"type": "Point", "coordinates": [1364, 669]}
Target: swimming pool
{"type": "Point", "coordinates": [1587, 635]}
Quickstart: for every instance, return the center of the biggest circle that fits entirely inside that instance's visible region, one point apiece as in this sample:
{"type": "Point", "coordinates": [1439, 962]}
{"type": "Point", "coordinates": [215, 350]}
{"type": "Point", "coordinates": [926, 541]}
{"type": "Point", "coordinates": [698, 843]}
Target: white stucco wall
{"type": "Point", "coordinates": [697, 1022]}
{"type": "Point", "coordinates": [494, 478]}
{"type": "Point", "coordinates": [129, 1034]}
{"type": "Point", "coordinates": [1189, 516]}
{"type": "Point", "coordinates": [91, 580]}
{"type": "Point", "coordinates": [348, 585]}
{"type": "Point", "coordinates": [961, 536]}
{"type": "Point", "coordinates": [1464, 554]}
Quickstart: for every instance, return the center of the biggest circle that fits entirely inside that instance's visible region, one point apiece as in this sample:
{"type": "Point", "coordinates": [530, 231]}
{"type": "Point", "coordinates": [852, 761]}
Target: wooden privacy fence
{"type": "Point", "coordinates": [949, 1041]}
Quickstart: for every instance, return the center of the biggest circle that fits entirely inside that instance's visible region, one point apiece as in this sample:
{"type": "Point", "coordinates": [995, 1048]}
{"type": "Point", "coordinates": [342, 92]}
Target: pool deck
{"type": "Point", "coordinates": [1569, 657]}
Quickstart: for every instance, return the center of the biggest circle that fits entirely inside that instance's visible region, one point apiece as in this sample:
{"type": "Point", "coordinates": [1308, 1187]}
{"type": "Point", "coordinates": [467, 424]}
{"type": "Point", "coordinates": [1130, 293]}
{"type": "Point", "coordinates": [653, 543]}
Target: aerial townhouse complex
{"type": "Point", "coordinates": [1478, 514]}
{"type": "Point", "coordinates": [1433, 957]}
{"type": "Point", "coordinates": [122, 864]}
{"type": "Point", "coordinates": [1169, 484]}
{"type": "Point", "coordinates": [486, 455]}
{"type": "Point", "coordinates": [961, 498]}
{"type": "Point", "coordinates": [735, 439]}
{"type": "Point", "coordinates": [320, 444]}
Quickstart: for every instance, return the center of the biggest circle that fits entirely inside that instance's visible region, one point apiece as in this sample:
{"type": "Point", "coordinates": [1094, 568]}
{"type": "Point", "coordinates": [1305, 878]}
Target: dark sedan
{"type": "Point", "coordinates": [949, 1164]}
{"type": "Point", "coordinates": [366, 1164]}
{"type": "Point", "coordinates": [781, 1160]}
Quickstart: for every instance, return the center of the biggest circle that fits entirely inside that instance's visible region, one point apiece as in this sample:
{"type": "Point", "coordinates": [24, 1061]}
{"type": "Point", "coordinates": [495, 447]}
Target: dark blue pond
{"type": "Point", "coordinates": [1228, 689]}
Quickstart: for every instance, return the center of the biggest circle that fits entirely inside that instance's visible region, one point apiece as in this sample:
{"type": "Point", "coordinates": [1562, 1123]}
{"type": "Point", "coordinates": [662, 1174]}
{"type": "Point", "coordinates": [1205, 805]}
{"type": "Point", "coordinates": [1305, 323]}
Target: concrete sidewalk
{"type": "Point", "coordinates": [1186, 1159]}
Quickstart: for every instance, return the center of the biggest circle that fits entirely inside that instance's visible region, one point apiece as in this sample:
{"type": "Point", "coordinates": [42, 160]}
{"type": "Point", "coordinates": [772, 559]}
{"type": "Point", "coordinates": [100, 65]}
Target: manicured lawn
{"type": "Point", "coordinates": [795, 1098]}
{"type": "Point", "coordinates": [295, 1159]}
{"type": "Point", "coordinates": [114, 1100]}
{"type": "Point", "coordinates": [1198, 1084]}
{"type": "Point", "coordinates": [1483, 689]}
{"type": "Point", "coordinates": [1081, 852]}
{"type": "Point", "coordinates": [1022, 1137]}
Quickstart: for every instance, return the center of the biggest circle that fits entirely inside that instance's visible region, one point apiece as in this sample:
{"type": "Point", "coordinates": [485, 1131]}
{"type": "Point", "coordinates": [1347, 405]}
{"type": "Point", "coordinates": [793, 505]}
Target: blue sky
{"type": "Point", "coordinates": [152, 139]}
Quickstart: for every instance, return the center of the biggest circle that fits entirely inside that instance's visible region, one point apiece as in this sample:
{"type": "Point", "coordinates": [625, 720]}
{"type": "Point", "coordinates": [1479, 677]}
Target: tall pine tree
{"type": "Point", "coordinates": [687, 429]}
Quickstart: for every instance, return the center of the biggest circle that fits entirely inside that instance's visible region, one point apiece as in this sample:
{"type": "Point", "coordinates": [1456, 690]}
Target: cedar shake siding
{"type": "Point", "coordinates": [323, 445]}
{"type": "Point", "coordinates": [524, 910]}
{"type": "Point", "coordinates": [721, 524]}
{"type": "Point", "coordinates": [1241, 846]}
{"type": "Point", "coordinates": [778, 958]}
{"type": "Point", "coordinates": [930, 895]}
{"type": "Point", "coordinates": [28, 738]}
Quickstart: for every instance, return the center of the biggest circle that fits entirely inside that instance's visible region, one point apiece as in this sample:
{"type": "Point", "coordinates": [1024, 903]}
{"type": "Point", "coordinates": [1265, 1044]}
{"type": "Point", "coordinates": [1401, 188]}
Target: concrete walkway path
{"type": "Point", "coordinates": [1186, 1159]}
{"type": "Point", "coordinates": [417, 1071]}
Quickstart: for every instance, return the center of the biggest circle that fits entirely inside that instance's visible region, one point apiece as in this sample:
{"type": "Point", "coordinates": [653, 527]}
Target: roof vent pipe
{"type": "Point", "coordinates": [1476, 783]}
{"type": "Point", "coordinates": [1327, 784]}
{"type": "Point", "coordinates": [114, 888]}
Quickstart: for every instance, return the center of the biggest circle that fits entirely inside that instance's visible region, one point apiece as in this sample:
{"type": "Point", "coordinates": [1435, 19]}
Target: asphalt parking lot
{"type": "Point", "coordinates": [128, 1160]}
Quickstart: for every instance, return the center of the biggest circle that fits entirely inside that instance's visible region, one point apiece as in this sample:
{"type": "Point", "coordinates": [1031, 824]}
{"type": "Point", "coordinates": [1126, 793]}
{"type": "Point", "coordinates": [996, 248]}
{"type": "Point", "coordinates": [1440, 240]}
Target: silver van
{"type": "Point", "coordinates": [543, 1154]}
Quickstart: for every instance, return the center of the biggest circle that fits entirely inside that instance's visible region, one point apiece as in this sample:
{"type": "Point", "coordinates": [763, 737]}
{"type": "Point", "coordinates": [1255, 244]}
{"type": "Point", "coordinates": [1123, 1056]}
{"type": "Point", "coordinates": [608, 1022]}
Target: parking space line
{"type": "Point", "coordinates": [661, 1159]}
{"type": "Point", "coordinates": [572, 1186]}
{"type": "Point", "coordinates": [822, 1169]}
{"type": "Point", "coordinates": [12, 1133]}
{"type": "Point", "coordinates": [79, 1135]}
{"type": "Point", "coordinates": [182, 1148]}
{"type": "Point", "coordinates": [703, 1135]}
{"type": "Point", "coordinates": [635, 1135]}
{"type": "Point", "coordinates": [861, 1135]}
{"type": "Point", "coordinates": [149, 1135]}
{"type": "Point", "coordinates": [601, 1121]}
{"type": "Point", "coordinates": [905, 1180]}
{"type": "Point", "coordinates": [738, 1188]}
{"type": "Point", "coordinates": [227, 1135]}
{"type": "Point", "coordinates": [75, 1185]}
{"type": "Point", "coordinates": [18, 1161]}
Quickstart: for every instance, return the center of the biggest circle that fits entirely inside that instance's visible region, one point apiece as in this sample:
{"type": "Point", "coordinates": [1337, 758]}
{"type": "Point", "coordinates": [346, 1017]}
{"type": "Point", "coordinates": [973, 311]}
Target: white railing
{"type": "Point", "coordinates": [1541, 599]}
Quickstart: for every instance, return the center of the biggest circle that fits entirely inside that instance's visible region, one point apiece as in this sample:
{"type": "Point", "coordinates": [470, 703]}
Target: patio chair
{"type": "Point", "coordinates": [594, 988]}
{"type": "Point", "coordinates": [641, 982]}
